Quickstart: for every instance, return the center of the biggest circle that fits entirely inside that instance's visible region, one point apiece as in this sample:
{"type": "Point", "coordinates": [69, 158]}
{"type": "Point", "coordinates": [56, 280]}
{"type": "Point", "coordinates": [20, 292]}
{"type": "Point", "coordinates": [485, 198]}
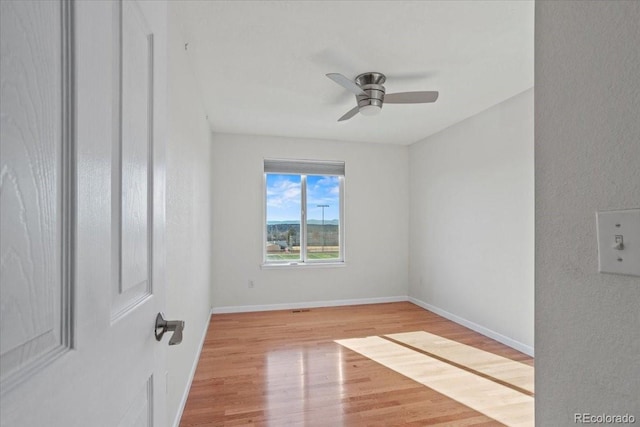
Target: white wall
{"type": "Point", "coordinates": [376, 218]}
{"type": "Point", "coordinates": [188, 217]}
{"type": "Point", "coordinates": [471, 222]}
{"type": "Point", "coordinates": [587, 159]}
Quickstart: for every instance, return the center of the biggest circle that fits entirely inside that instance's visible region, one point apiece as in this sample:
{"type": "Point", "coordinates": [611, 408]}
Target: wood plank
{"type": "Point", "coordinates": [284, 368]}
{"type": "Point", "coordinates": [494, 400]}
{"type": "Point", "coordinates": [498, 367]}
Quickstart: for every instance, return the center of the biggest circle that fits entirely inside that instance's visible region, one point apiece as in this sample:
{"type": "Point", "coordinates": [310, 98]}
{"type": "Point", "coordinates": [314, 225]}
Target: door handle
{"type": "Point", "coordinates": [175, 326]}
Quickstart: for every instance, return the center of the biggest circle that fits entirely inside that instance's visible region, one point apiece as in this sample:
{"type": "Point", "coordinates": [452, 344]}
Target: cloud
{"type": "Point", "coordinates": [326, 182]}
{"type": "Point", "coordinates": [326, 186]}
{"type": "Point", "coordinates": [323, 190]}
{"type": "Point", "coordinates": [283, 193]}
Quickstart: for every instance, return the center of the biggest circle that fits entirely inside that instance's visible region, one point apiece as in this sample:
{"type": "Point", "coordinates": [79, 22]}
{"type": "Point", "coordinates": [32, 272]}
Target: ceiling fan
{"type": "Point", "coordinates": [370, 94]}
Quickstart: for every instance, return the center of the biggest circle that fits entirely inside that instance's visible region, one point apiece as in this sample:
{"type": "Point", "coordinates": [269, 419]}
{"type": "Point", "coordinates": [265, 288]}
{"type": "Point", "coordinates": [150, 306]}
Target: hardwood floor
{"type": "Point", "coordinates": [515, 375]}
{"type": "Point", "coordinates": [283, 368]}
{"type": "Point", "coordinates": [497, 401]}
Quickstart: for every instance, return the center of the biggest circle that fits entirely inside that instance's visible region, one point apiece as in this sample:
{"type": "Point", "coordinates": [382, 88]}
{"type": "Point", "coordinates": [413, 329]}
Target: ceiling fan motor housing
{"type": "Point", "coordinates": [371, 84]}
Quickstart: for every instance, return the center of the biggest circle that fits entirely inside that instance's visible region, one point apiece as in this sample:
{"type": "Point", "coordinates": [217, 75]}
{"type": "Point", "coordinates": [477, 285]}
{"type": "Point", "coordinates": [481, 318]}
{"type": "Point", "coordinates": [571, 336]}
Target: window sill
{"type": "Point", "coordinates": [303, 265]}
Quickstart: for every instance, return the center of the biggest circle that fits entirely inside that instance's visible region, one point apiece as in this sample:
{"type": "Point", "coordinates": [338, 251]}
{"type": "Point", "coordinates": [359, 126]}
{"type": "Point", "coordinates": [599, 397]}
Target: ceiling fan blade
{"type": "Point", "coordinates": [349, 114]}
{"type": "Point", "coordinates": [346, 83]}
{"type": "Point", "coordinates": [411, 97]}
{"type": "Point", "coordinates": [410, 76]}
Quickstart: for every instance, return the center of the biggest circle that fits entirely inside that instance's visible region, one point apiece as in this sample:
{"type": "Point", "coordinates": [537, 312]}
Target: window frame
{"type": "Point", "coordinates": [304, 261]}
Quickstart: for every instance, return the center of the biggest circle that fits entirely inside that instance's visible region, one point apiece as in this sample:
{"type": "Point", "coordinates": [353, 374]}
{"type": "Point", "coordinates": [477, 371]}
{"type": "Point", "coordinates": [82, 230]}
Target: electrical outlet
{"type": "Point", "coordinates": [252, 284]}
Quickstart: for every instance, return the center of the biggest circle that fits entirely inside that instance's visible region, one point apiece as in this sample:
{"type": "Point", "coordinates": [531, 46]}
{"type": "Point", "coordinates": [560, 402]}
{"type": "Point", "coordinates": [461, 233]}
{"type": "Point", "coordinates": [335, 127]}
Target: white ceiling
{"type": "Point", "coordinates": [261, 65]}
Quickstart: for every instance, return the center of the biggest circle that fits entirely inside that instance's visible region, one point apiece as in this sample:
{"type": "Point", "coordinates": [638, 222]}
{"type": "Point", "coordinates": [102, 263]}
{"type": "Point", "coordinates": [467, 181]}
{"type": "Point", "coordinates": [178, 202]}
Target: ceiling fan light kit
{"type": "Point", "coordinates": [369, 110]}
{"type": "Point", "coordinates": [370, 94]}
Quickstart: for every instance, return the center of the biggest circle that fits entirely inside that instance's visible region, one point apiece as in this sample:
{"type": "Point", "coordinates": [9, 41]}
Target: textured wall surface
{"type": "Point", "coordinates": [376, 223]}
{"type": "Point", "coordinates": [188, 216]}
{"type": "Point", "coordinates": [587, 126]}
{"type": "Point", "coordinates": [471, 220]}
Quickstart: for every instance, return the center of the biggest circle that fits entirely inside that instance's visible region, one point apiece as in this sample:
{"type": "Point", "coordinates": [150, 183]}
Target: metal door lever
{"type": "Point", "coordinates": [175, 326]}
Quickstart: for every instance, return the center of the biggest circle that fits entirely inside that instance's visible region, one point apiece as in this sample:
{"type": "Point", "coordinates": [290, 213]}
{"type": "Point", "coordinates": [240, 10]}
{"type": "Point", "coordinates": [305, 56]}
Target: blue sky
{"type": "Point", "coordinates": [284, 197]}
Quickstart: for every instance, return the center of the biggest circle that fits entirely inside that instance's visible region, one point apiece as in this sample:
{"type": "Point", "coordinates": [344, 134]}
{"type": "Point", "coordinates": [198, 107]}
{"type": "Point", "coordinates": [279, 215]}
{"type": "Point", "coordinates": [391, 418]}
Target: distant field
{"type": "Point", "coordinates": [323, 255]}
{"type": "Point", "coordinates": [317, 235]}
{"type": "Point", "coordinates": [311, 255]}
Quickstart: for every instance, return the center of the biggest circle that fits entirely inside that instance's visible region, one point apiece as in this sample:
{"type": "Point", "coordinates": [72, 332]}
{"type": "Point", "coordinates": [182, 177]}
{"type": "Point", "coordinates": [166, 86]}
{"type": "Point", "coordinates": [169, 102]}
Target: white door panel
{"type": "Point", "coordinates": [82, 164]}
{"type": "Point", "coordinates": [132, 157]}
{"type": "Point", "coordinates": [33, 247]}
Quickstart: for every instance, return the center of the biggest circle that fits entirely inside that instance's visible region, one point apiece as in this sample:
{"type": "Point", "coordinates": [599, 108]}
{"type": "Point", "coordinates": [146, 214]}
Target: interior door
{"type": "Point", "coordinates": [82, 189]}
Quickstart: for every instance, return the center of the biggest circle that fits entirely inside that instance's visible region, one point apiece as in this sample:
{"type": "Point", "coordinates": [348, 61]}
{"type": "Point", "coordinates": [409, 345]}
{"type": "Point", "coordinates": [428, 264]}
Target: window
{"type": "Point", "coordinates": [303, 212]}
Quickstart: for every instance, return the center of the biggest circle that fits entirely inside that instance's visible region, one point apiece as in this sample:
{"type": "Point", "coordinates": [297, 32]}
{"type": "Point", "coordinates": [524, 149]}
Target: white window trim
{"type": "Point", "coordinates": [302, 265]}
{"type": "Point", "coordinates": [303, 262]}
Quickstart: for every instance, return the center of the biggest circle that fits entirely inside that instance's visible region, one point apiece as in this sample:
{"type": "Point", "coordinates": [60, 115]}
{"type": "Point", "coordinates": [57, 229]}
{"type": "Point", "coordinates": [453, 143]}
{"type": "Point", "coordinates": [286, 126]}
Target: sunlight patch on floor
{"type": "Point", "coordinates": [498, 367]}
{"type": "Point", "coordinates": [494, 400]}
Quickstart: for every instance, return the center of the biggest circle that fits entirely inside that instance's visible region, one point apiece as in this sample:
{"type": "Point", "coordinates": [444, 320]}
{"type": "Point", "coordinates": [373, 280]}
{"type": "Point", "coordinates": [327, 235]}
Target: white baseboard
{"type": "Point", "coordinates": [185, 394]}
{"type": "Point", "coordinates": [526, 349]}
{"type": "Point", "coordinates": [310, 304]}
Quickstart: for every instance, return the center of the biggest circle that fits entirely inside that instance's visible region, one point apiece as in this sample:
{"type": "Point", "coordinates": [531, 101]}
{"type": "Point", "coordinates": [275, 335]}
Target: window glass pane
{"type": "Point", "coordinates": [323, 217]}
{"type": "Point", "coordinates": [284, 208]}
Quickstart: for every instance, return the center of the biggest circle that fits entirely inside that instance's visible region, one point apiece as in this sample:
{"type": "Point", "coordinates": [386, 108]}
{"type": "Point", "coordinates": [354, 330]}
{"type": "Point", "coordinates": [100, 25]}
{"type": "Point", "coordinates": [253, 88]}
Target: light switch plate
{"type": "Point", "coordinates": [619, 229]}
